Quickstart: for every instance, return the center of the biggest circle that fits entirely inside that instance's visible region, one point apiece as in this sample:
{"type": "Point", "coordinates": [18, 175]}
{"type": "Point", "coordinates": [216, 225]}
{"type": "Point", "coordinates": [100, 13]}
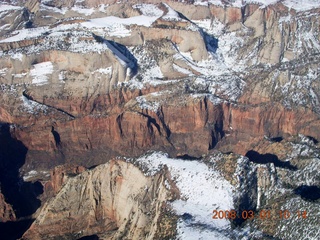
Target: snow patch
{"type": "Point", "coordinates": [24, 34]}
{"type": "Point", "coordinates": [298, 5]}
{"type": "Point", "coordinates": [19, 75]}
{"type": "Point", "coordinates": [34, 173]}
{"type": "Point", "coordinates": [171, 15]}
{"type": "Point", "coordinates": [3, 71]}
{"type": "Point", "coordinates": [82, 10]}
{"type": "Point", "coordinates": [52, 9]}
{"type": "Point", "coordinates": [302, 5]}
{"type": "Point", "coordinates": [102, 8]}
{"type": "Point", "coordinates": [104, 70]}
{"type": "Point", "coordinates": [40, 72]}
{"type": "Point", "coordinates": [107, 21]}
{"type": "Point", "coordinates": [147, 104]}
{"type": "Point", "coordinates": [5, 7]}
{"type": "Point", "coordinates": [32, 106]}
{"type": "Point", "coordinates": [182, 70]}
{"type": "Point", "coordinates": [201, 3]}
{"type": "Point", "coordinates": [62, 76]}
{"type": "Point", "coordinates": [18, 56]}
{"type": "Point", "coordinates": [202, 190]}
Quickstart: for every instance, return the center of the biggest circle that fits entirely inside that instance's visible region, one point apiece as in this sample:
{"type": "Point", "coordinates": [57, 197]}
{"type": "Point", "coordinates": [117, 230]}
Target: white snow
{"type": "Point", "coordinates": [62, 76]}
{"type": "Point", "coordinates": [154, 72]}
{"type": "Point", "coordinates": [102, 7]}
{"type": "Point", "coordinates": [115, 26]}
{"type": "Point", "coordinates": [104, 70]}
{"type": "Point", "coordinates": [29, 175]}
{"type": "Point", "coordinates": [5, 26]}
{"type": "Point", "coordinates": [3, 71]}
{"type": "Point", "coordinates": [149, 10]}
{"type": "Point", "coordinates": [182, 70]}
{"type": "Point", "coordinates": [18, 56]}
{"type": "Point", "coordinates": [82, 10]}
{"type": "Point", "coordinates": [202, 190]}
{"type": "Point", "coordinates": [298, 5]}
{"type": "Point", "coordinates": [32, 106]}
{"type": "Point", "coordinates": [285, 19]}
{"type": "Point", "coordinates": [19, 75]}
{"type": "Point", "coordinates": [26, 34]}
{"type": "Point", "coordinates": [34, 173]}
{"type": "Point", "coordinates": [40, 72]}
{"type": "Point", "coordinates": [6, 7]}
{"type": "Point", "coordinates": [171, 15]}
{"type": "Point", "coordinates": [107, 25]}
{"type": "Point", "coordinates": [302, 5]}
{"type": "Point", "coordinates": [147, 104]}
{"type": "Point", "coordinates": [53, 9]}
{"type": "Point", "coordinates": [141, 20]}
{"type": "Point", "coordinates": [201, 3]}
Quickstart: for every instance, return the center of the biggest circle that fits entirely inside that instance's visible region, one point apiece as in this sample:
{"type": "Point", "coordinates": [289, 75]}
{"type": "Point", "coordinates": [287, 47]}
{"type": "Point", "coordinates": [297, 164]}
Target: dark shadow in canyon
{"type": "Point", "coordinates": [187, 157]}
{"type": "Point", "coordinates": [91, 237]}
{"type": "Point", "coordinates": [308, 193]}
{"type": "Point", "coordinates": [14, 230]}
{"type": "Point", "coordinates": [21, 195]}
{"type": "Point", "coordinates": [315, 141]}
{"type": "Point", "coordinates": [56, 136]}
{"type": "Point", "coordinates": [269, 158]}
{"type": "Point", "coordinates": [276, 139]}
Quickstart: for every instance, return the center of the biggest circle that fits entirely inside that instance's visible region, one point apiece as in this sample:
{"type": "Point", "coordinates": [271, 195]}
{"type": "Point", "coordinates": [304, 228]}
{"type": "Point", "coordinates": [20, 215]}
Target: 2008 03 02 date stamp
{"type": "Point", "coordinates": [262, 214]}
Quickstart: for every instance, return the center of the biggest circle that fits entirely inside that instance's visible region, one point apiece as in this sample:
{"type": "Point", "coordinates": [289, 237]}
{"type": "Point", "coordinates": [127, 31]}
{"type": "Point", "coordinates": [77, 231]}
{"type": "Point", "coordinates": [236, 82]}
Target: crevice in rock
{"type": "Point", "coordinates": [25, 94]}
{"type": "Point", "coordinates": [276, 139]}
{"type": "Point", "coordinates": [119, 119]}
{"type": "Point", "coordinates": [164, 125]}
{"type": "Point", "coordinates": [152, 121]}
{"type": "Point", "coordinates": [56, 136]}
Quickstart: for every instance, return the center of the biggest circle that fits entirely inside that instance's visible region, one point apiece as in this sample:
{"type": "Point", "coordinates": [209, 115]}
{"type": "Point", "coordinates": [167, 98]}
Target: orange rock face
{"type": "Point", "coordinates": [193, 127]}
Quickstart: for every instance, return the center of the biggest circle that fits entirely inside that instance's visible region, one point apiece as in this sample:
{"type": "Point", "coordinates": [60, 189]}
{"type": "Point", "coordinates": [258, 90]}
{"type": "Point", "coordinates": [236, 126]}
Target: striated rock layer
{"type": "Point", "coordinates": [236, 75]}
{"type": "Point", "coordinates": [113, 199]}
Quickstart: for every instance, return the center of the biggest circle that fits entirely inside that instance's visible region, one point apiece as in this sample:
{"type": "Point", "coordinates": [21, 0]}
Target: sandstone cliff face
{"type": "Point", "coordinates": [114, 199]}
{"type": "Point", "coordinates": [81, 86]}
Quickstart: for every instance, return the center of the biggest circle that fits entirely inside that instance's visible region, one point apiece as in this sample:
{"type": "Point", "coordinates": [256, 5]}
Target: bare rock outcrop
{"type": "Point", "coordinates": [6, 210]}
{"type": "Point", "coordinates": [114, 200]}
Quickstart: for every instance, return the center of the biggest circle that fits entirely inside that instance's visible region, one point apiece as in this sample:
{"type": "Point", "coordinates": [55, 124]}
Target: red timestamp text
{"type": "Point", "coordinates": [262, 214]}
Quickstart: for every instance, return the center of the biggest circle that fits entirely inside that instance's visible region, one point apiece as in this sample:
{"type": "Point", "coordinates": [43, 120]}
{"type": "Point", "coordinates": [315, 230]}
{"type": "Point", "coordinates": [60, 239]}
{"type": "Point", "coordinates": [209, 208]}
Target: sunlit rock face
{"type": "Point", "coordinates": [114, 199]}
